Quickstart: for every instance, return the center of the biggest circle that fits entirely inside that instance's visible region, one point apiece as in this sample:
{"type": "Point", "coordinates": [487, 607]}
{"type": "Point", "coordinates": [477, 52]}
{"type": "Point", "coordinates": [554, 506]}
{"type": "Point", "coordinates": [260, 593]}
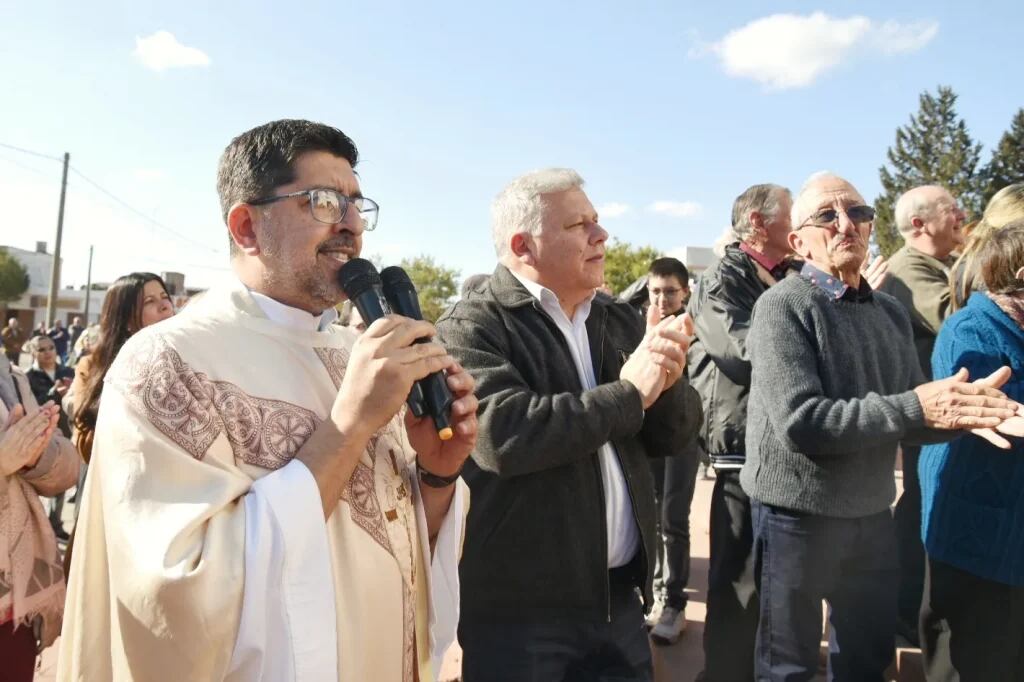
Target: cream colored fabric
{"type": "Point", "coordinates": [195, 410]}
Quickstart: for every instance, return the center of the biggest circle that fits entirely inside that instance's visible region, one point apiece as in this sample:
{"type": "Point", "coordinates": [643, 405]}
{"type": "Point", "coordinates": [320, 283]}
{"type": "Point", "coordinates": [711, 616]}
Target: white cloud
{"type": "Point", "coordinates": [676, 209]}
{"type": "Point", "coordinates": [784, 51]}
{"type": "Point", "coordinates": [612, 210]}
{"type": "Point", "coordinates": [162, 51]}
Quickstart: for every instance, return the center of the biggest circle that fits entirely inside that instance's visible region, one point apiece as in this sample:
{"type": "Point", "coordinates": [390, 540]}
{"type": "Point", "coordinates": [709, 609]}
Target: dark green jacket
{"type": "Point", "coordinates": [536, 538]}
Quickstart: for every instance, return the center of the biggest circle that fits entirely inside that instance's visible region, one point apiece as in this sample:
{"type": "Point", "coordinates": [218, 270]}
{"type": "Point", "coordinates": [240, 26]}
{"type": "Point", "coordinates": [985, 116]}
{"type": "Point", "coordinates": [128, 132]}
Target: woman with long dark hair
{"type": "Point", "coordinates": [133, 302]}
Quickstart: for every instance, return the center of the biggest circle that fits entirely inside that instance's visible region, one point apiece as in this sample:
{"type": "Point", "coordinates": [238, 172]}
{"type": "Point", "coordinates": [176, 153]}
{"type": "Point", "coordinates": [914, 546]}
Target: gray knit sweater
{"type": "Point", "coordinates": [830, 400]}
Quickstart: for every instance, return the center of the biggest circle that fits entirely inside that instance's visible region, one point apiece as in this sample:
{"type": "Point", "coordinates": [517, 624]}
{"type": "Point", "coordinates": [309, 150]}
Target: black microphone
{"type": "Point", "coordinates": [401, 296]}
{"type": "Point", "coordinates": [359, 280]}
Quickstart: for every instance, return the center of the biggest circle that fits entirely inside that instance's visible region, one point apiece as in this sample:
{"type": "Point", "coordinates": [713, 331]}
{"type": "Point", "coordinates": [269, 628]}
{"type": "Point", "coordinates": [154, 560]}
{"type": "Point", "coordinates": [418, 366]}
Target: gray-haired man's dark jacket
{"type": "Point", "coordinates": [535, 546]}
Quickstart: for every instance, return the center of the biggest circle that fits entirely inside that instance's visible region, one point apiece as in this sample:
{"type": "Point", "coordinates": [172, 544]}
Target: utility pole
{"type": "Point", "coordinates": [88, 287]}
{"type": "Point", "coordinates": [51, 304]}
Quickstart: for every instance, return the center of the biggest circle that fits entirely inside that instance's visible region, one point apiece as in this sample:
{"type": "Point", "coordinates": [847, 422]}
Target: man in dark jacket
{"type": "Point", "coordinates": [573, 398]}
{"type": "Point", "coordinates": [720, 371]}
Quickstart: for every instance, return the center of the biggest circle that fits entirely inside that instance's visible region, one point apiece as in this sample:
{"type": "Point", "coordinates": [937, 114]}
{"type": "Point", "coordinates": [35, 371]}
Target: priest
{"type": "Point", "coordinates": [260, 506]}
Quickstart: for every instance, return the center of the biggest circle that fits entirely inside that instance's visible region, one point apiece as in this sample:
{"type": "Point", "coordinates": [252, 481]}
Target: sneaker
{"type": "Point", "coordinates": [670, 626]}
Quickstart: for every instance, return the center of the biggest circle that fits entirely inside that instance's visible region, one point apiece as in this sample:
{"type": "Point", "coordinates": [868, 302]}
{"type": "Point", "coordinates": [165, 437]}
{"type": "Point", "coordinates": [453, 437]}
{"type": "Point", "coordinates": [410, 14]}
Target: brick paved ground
{"type": "Point", "coordinates": [678, 663]}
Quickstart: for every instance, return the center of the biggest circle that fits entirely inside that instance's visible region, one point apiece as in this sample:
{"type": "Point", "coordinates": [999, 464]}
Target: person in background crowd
{"type": "Point", "coordinates": [50, 381]}
{"type": "Point", "coordinates": [836, 385]}
{"type": "Point", "coordinates": [574, 398]}
{"type": "Point", "coordinates": [668, 285]}
{"type": "Point", "coordinates": [60, 338]}
{"type": "Point", "coordinates": [35, 460]}
{"type": "Point", "coordinates": [13, 339]}
{"type": "Point", "coordinates": [75, 331]}
{"type": "Point", "coordinates": [1006, 206]}
{"type": "Point", "coordinates": [40, 330]}
{"type": "Point", "coordinates": [972, 621]}
{"type": "Point", "coordinates": [133, 302]}
{"type": "Point", "coordinates": [754, 258]}
{"type": "Point", "coordinates": [930, 222]}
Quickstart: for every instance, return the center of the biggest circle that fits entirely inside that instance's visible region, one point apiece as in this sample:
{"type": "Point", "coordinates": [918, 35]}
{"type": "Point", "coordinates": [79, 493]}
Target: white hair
{"type": "Point", "coordinates": [914, 204]}
{"type": "Point", "coordinates": [520, 207]}
{"type": "Point", "coordinates": [763, 199]}
{"type": "Point", "coordinates": [796, 216]}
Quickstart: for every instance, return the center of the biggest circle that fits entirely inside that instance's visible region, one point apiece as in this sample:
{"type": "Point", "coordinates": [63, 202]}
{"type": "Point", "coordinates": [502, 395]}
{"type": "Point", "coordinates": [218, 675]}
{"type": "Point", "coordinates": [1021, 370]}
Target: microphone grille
{"type": "Point", "coordinates": [356, 276]}
{"type": "Point", "coordinates": [395, 278]}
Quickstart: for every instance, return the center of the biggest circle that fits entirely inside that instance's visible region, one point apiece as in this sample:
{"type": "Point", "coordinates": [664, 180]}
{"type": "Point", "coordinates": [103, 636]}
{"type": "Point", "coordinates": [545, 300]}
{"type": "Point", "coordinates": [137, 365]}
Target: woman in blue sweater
{"type": "Point", "coordinates": [972, 619]}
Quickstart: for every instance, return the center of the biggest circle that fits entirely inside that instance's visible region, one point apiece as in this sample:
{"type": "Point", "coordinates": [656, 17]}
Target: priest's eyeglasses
{"type": "Point", "coordinates": [829, 217]}
{"type": "Point", "coordinates": [331, 206]}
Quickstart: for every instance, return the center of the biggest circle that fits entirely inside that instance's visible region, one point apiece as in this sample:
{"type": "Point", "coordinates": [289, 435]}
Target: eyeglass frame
{"type": "Point", "coordinates": [834, 223]}
{"type": "Point", "coordinates": [309, 192]}
{"type": "Point", "coordinates": [670, 291]}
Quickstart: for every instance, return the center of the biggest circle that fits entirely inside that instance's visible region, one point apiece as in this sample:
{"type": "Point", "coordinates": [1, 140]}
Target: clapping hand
{"type": "Point", "coordinates": [25, 438]}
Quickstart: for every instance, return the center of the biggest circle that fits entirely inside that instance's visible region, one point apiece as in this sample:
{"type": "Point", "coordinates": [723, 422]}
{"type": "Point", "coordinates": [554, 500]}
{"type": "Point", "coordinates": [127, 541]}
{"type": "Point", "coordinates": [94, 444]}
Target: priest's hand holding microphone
{"type": "Point", "coordinates": [393, 362]}
{"type": "Point", "coordinates": [441, 419]}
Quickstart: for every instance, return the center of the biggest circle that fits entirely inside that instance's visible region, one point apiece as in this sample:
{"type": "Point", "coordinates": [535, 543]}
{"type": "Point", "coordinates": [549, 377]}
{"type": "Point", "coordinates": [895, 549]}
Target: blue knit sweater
{"type": "Point", "coordinates": [972, 493]}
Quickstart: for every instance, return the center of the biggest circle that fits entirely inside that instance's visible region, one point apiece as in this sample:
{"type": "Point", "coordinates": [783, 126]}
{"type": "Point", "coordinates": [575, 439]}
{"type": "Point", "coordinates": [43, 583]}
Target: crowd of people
{"type": "Point", "coordinates": [261, 506]}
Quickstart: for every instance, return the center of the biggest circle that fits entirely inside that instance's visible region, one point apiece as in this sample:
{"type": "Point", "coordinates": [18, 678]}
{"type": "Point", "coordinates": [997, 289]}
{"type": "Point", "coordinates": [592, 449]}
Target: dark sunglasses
{"type": "Point", "coordinates": [829, 217]}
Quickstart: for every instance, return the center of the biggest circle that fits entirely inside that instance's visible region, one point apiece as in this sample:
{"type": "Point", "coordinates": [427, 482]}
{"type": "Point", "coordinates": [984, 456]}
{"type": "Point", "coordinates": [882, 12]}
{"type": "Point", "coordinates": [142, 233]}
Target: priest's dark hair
{"type": "Point", "coordinates": [260, 160]}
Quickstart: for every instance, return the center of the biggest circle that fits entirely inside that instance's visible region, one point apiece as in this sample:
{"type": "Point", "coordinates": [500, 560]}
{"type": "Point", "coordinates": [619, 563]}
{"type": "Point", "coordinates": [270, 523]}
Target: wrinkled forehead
{"type": "Point", "coordinates": [827, 192]}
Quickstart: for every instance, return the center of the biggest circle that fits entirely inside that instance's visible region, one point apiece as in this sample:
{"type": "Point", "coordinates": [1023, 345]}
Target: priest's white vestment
{"type": "Point", "coordinates": [201, 550]}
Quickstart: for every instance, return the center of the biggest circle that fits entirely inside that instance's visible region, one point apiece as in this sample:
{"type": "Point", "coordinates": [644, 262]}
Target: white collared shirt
{"type": "Point", "coordinates": [288, 316]}
{"type": "Point", "coordinates": [623, 534]}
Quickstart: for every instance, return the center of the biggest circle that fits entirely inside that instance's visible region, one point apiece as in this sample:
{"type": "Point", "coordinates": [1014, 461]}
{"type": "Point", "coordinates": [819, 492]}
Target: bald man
{"type": "Point", "coordinates": [931, 224]}
{"type": "Point", "coordinates": [835, 387]}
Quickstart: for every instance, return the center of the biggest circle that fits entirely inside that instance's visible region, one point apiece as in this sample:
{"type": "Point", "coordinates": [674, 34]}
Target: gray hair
{"type": "Point", "coordinates": [520, 206]}
{"type": "Point", "coordinates": [763, 199]}
{"type": "Point", "coordinates": [914, 203]}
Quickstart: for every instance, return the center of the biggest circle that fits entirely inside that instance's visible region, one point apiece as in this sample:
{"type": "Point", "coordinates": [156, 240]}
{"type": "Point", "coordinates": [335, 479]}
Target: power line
{"type": "Point", "coordinates": [24, 166]}
{"type": "Point", "coordinates": [140, 214]}
{"type": "Point", "coordinates": [29, 151]}
{"type": "Point", "coordinates": [124, 204]}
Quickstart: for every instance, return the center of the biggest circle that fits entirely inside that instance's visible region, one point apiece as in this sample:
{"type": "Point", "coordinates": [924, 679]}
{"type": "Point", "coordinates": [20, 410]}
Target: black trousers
{"type": "Point", "coordinates": [971, 628]}
{"type": "Point", "coordinates": [732, 614]}
{"type": "Point", "coordinates": [908, 542]}
{"type": "Point", "coordinates": [614, 651]}
{"type": "Point", "coordinates": [674, 481]}
{"type": "Point", "coordinates": [802, 559]}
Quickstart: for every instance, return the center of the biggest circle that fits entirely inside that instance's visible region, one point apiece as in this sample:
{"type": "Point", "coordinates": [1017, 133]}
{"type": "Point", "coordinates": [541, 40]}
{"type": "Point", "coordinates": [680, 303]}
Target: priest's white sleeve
{"type": "Point", "coordinates": [444, 569]}
{"type": "Point", "coordinates": [288, 628]}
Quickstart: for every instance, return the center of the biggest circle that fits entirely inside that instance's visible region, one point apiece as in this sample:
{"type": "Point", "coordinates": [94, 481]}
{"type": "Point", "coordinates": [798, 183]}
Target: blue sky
{"type": "Point", "coordinates": [668, 110]}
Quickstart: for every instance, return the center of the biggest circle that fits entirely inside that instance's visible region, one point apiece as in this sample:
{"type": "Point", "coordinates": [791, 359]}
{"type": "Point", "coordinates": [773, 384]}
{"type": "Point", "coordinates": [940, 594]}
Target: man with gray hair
{"type": "Point", "coordinates": [931, 224]}
{"type": "Point", "coordinates": [835, 387]}
{"type": "Point", "coordinates": [755, 259]}
{"type": "Point", "coordinates": [574, 397]}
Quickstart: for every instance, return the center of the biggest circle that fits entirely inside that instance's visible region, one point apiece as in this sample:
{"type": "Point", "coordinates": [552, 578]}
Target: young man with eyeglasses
{"type": "Point", "coordinates": [258, 507]}
{"type": "Point", "coordinates": [835, 386]}
{"type": "Point", "coordinates": [668, 288]}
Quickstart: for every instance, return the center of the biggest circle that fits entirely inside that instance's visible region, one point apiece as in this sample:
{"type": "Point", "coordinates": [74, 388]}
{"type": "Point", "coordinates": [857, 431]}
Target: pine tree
{"type": "Point", "coordinates": [934, 148]}
{"type": "Point", "coordinates": [1007, 164]}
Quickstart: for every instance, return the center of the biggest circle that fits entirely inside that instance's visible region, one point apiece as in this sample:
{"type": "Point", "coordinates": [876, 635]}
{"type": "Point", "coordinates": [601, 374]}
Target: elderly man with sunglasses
{"type": "Point", "coordinates": [835, 386]}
